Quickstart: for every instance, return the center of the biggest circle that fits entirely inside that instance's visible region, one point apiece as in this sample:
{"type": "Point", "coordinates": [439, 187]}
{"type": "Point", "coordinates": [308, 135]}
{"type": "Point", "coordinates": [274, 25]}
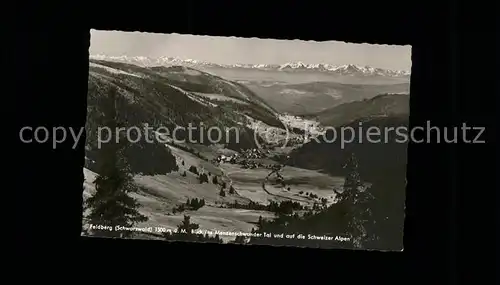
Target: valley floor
{"type": "Point", "coordinates": [160, 194]}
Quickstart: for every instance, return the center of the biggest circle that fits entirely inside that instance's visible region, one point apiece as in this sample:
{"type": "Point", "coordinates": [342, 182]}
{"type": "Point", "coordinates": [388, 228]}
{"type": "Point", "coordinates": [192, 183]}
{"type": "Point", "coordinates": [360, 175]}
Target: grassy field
{"type": "Point", "coordinates": [159, 194]}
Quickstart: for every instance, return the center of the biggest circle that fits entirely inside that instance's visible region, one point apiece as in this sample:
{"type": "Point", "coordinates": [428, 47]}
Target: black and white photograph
{"type": "Point", "coordinates": [246, 140]}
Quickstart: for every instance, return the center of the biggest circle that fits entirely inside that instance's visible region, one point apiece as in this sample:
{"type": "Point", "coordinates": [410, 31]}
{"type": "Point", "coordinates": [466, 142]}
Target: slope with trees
{"type": "Point", "coordinates": [146, 155]}
{"type": "Point", "coordinates": [112, 204]}
{"type": "Point", "coordinates": [157, 97]}
{"type": "Point", "coordinates": [386, 152]}
{"type": "Point", "coordinates": [364, 217]}
{"type": "Point", "coordinates": [382, 105]}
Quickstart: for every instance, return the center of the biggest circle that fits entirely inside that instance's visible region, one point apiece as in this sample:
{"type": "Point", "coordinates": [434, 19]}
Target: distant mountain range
{"type": "Point", "coordinates": [348, 69]}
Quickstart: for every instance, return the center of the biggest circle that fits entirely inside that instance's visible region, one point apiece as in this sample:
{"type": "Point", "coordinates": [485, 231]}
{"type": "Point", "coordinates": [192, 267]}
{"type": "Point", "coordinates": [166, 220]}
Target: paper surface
{"type": "Point", "coordinates": [238, 140]}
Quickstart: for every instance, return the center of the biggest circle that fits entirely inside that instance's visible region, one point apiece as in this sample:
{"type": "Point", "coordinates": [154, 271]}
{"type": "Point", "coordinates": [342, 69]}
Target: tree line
{"type": "Point", "coordinates": [283, 207]}
{"type": "Point", "coordinates": [112, 203]}
{"type": "Point", "coordinates": [142, 157]}
{"type": "Point", "coordinates": [191, 204]}
{"type": "Point", "coordinates": [186, 231]}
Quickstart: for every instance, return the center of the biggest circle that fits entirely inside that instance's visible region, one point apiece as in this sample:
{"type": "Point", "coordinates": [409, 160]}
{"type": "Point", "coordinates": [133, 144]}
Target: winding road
{"type": "Point", "coordinates": [225, 174]}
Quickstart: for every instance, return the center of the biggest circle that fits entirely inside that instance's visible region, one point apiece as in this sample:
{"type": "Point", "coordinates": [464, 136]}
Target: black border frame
{"type": "Point", "coordinates": [51, 63]}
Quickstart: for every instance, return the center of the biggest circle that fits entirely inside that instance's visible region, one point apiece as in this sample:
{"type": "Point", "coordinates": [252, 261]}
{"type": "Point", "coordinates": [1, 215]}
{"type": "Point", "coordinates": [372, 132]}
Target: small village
{"type": "Point", "coordinates": [248, 159]}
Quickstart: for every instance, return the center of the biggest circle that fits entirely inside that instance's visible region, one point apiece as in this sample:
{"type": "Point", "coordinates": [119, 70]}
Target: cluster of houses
{"type": "Point", "coordinates": [237, 159]}
{"type": "Point", "coordinates": [246, 159]}
{"type": "Point", "coordinates": [255, 153]}
{"type": "Point", "coordinates": [245, 154]}
{"type": "Point", "coordinates": [226, 158]}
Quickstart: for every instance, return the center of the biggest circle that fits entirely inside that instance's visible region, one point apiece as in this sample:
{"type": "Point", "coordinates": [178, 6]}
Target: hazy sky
{"type": "Point", "coordinates": [229, 50]}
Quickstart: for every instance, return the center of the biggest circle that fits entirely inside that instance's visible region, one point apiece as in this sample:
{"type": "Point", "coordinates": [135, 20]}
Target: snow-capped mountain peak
{"type": "Point", "coordinates": [347, 69]}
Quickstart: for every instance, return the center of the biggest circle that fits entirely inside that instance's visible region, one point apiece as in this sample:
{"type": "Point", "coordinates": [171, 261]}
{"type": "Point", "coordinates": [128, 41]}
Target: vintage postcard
{"type": "Point", "coordinates": [246, 140]}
